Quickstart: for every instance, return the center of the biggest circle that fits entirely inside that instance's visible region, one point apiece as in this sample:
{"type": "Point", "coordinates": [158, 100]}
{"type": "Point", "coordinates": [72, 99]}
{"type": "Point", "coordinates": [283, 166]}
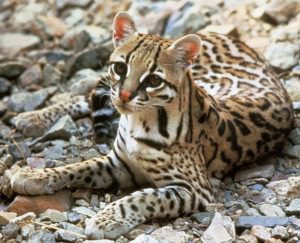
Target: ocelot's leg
{"type": "Point", "coordinates": [35, 123]}
{"type": "Point", "coordinates": [95, 173]}
{"type": "Point", "coordinates": [123, 215]}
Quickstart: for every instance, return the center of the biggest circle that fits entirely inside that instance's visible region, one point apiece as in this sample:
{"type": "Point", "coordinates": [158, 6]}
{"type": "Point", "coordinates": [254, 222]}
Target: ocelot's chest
{"type": "Point", "coordinates": [140, 144]}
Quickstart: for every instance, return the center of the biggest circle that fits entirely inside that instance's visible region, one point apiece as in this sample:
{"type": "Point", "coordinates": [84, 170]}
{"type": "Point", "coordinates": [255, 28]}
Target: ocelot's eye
{"type": "Point", "coordinates": [153, 80]}
{"type": "Point", "coordinates": [119, 68]}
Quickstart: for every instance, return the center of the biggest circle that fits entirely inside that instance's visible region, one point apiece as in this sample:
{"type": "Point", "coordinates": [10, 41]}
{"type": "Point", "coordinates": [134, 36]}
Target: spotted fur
{"type": "Point", "coordinates": [191, 110]}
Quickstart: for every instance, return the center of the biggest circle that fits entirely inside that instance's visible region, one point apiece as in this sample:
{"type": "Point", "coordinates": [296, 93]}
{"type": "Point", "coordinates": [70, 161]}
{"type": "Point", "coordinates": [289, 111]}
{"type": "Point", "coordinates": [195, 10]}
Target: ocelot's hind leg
{"type": "Point", "coordinates": [35, 123]}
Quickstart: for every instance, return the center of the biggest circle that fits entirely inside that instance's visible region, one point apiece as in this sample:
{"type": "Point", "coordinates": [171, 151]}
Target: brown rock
{"type": "Point", "coordinates": [6, 217]}
{"type": "Point", "coordinates": [51, 26]}
{"type": "Point", "coordinates": [261, 232]}
{"type": "Point", "coordinates": [248, 238]}
{"type": "Point", "coordinates": [32, 75]}
{"type": "Point", "coordinates": [61, 200]}
{"type": "Point", "coordinates": [273, 240]}
{"type": "Point", "coordinates": [281, 11]}
{"type": "Point", "coordinates": [83, 193]}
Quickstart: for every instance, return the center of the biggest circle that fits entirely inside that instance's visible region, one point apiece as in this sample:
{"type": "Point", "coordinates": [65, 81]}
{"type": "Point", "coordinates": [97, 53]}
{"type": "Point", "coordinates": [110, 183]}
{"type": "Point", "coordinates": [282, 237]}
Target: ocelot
{"type": "Point", "coordinates": [191, 110]}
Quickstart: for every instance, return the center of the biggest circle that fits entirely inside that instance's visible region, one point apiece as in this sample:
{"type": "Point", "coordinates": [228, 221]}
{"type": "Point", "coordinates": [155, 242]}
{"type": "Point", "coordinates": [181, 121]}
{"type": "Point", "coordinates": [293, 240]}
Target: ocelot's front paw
{"type": "Point", "coordinates": [31, 124]}
{"type": "Point", "coordinates": [106, 225]}
{"type": "Point", "coordinates": [29, 181]}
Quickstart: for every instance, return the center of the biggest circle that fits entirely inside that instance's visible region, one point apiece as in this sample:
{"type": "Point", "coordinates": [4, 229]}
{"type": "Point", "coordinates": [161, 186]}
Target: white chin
{"type": "Point", "coordinates": [124, 110]}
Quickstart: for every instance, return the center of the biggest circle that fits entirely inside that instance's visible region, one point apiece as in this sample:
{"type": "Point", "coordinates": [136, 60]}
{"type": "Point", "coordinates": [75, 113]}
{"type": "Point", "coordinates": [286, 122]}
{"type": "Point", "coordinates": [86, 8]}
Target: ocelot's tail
{"type": "Point", "coordinates": [104, 115]}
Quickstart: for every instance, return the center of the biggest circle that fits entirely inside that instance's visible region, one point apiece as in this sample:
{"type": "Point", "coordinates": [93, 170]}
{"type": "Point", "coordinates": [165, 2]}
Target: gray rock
{"type": "Point", "coordinates": [294, 207]}
{"type": "Point", "coordinates": [42, 237]}
{"type": "Point", "coordinates": [5, 131]}
{"type": "Point", "coordinates": [235, 206]}
{"type": "Point", "coordinates": [26, 101]}
{"type": "Point", "coordinates": [84, 211]}
{"type": "Point", "coordinates": [271, 210]}
{"type": "Point", "coordinates": [84, 81]}
{"type": "Point", "coordinates": [261, 171]}
{"type": "Point", "coordinates": [35, 162]}
{"type": "Point", "coordinates": [72, 227]}
{"type": "Point", "coordinates": [103, 148]}
{"type": "Point", "coordinates": [3, 108]}
{"type": "Point", "coordinates": [252, 212]}
{"type": "Point", "coordinates": [91, 153]}
{"type": "Point", "coordinates": [53, 215]}
{"type": "Point", "coordinates": [64, 128]}
{"type": "Point", "coordinates": [203, 217]}
{"type": "Point", "coordinates": [13, 43]}
{"type": "Point", "coordinates": [32, 75]}
{"type": "Point", "coordinates": [53, 152]}
{"type": "Point", "coordinates": [291, 151]}
{"type": "Point", "coordinates": [51, 75]}
{"type": "Point", "coordinates": [245, 222]}
{"type": "Point", "coordinates": [10, 230]}
{"type": "Point", "coordinates": [11, 69]}
{"type": "Point", "coordinates": [140, 239]}
{"type": "Point", "coordinates": [65, 236]}
{"type": "Point", "coordinates": [283, 55]}
{"type": "Point", "coordinates": [294, 136]}
{"type": "Point", "coordinates": [75, 16]}
{"type": "Point", "coordinates": [280, 232]}
{"type": "Point", "coordinates": [256, 187]}
{"type": "Point", "coordinates": [25, 14]}
{"type": "Point", "coordinates": [61, 4]}
{"type": "Point", "coordinates": [27, 230]}
{"type": "Point", "coordinates": [80, 37]}
{"type": "Point", "coordinates": [261, 232]}
{"type": "Point", "coordinates": [51, 57]}
{"type": "Point", "coordinates": [19, 151]}
{"type": "Point", "coordinates": [73, 217]}
{"type": "Point", "coordinates": [5, 87]}
{"type": "Point", "coordinates": [182, 22]}
{"type": "Point", "coordinates": [90, 58]}
{"type": "Point", "coordinates": [220, 230]}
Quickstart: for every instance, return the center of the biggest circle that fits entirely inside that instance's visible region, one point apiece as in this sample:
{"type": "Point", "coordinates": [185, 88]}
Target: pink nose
{"type": "Point", "coordinates": [125, 95]}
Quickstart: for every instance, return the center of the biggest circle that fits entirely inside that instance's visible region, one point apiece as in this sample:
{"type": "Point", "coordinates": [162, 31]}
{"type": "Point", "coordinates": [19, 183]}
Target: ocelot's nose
{"type": "Point", "coordinates": [125, 95]}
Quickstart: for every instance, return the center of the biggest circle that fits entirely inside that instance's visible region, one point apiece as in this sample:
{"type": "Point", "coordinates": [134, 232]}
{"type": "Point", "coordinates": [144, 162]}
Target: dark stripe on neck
{"type": "Point", "coordinates": [163, 122]}
{"type": "Point", "coordinates": [189, 134]}
{"type": "Point", "coordinates": [151, 143]}
{"type": "Point", "coordinates": [179, 128]}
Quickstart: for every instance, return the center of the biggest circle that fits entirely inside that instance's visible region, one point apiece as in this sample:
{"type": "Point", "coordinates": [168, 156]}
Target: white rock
{"type": "Point", "coordinates": [144, 239]}
{"type": "Point", "coordinates": [221, 230]}
{"type": "Point", "coordinates": [283, 55]}
{"type": "Point", "coordinates": [271, 210]}
{"type": "Point", "coordinates": [287, 188]}
{"type": "Point", "coordinates": [168, 235]}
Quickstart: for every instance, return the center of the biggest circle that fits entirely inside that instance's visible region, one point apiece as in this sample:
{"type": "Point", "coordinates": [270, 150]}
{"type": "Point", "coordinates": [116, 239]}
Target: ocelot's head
{"type": "Point", "coordinates": [147, 71]}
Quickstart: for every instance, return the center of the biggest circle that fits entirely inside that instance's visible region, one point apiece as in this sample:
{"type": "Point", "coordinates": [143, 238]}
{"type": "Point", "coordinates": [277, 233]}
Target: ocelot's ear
{"type": "Point", "coordinates": [186, 49]}
{"type": "Point", "coordinates": [123, 28]}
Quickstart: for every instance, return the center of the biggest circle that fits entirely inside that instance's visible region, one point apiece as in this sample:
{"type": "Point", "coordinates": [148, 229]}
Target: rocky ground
{"type": "Point", "coordinates": [51, 50]}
